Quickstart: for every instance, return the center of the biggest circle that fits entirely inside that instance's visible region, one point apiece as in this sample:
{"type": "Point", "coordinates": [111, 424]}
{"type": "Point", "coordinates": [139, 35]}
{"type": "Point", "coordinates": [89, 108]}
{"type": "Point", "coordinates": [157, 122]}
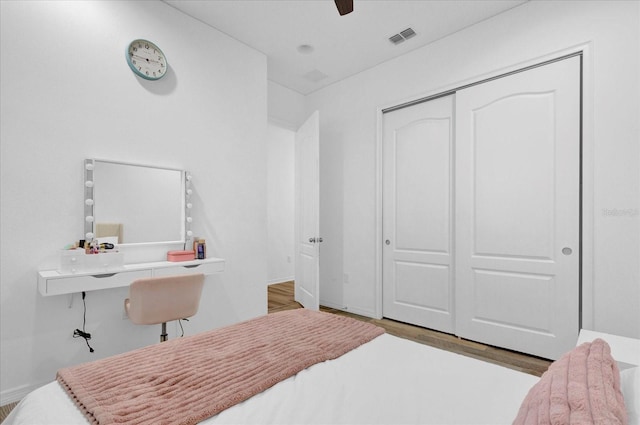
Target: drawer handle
{"type": "Point", "coordinates": [100, 276]}
{"type": "Point", "coordinates": [192, 266]}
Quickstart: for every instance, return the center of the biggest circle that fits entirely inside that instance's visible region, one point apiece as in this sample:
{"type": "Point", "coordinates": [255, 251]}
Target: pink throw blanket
{"type": "Point", "coordinates": [580, 388]}
{"type": "Point", "coordinates": [186, 380]}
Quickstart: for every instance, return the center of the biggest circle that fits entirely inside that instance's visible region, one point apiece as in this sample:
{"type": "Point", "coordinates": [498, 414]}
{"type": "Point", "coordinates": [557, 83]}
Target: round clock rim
{"type": "Point", "coordinates": [133, 67]}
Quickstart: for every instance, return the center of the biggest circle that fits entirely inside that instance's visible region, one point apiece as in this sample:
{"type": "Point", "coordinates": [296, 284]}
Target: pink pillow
{"type": "Point", "coordinates": [582, 387]}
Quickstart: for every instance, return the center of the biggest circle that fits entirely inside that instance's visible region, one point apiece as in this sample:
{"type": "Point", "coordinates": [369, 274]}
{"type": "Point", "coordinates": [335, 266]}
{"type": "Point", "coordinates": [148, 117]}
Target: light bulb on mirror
{"type": "Point", "coordinates": [189, 233]}
{"type": "Point", "coordinates": [88, 183]}
{"type": "Point", "coordinates": [88, 236]}
{"type": "Point", "coordinates": [189, 219]}
{"type": "Point", "coordinates": [189, 205]}
{"type": "Point", "coordinates": [189, 177]}
{"type": "Point", "coordinates": [88, 202]}
{"type": "Point", "coordinates": [89, 166]}
{"type": "Point", "coordinates": [89, 219]}
{"type": "Point", "coordinates": [189, 191]}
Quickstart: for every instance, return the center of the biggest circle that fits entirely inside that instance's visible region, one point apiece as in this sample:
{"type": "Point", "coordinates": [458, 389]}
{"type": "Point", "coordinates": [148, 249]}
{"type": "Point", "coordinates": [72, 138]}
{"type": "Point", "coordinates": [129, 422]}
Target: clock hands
{"type": "Point", "coordinates": [144, 59]}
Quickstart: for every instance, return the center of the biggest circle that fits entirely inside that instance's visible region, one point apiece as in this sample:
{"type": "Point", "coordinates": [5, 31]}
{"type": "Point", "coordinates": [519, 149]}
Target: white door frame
{"type": "Point", "coordinates": [587, 161]}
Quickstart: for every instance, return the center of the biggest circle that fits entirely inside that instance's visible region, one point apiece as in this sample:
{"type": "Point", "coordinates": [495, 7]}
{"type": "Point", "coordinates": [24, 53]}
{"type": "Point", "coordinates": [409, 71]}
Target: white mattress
{"type": "Point", "coordinates": [386, 381]}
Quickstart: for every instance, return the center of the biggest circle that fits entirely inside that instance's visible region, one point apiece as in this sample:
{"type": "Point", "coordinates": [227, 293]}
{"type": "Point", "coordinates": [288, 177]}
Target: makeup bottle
{"type": "Point", "coordinates": [202, 250]}
{"type": "Point", "coordinates": [195, 249]}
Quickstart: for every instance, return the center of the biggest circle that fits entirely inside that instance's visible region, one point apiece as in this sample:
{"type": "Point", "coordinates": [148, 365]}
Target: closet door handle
{"type": "Point", "coordinates": [312, 240]}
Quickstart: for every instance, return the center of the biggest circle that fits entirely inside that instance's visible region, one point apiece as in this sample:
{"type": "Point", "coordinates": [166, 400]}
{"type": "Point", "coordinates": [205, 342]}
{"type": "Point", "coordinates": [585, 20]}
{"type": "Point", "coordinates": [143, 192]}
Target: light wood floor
{"type": "Point", "coordinates": [4, 410]}
{"type": "Point", "coordinates": [281, 298]}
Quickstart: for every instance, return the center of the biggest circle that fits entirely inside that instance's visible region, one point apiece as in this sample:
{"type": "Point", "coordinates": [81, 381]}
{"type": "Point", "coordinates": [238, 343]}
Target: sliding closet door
{"type": "Point", "coordinates": [417, 210]}
{"type": "Point", "coordinates": [517, 210]}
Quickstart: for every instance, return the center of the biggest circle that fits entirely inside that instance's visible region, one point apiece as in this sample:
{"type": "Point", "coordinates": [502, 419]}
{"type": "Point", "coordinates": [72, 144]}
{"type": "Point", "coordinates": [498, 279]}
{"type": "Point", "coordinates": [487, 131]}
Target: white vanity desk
{"type": "Point", "coordinates": [130, 195]}
{"type": "Point", "coordinates": [54, 282]}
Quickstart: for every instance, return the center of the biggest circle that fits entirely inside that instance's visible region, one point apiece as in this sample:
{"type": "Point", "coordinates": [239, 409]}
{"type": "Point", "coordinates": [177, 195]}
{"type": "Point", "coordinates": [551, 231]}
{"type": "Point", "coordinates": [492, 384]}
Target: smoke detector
{"type": "Point", "coordinates": [315, 76]}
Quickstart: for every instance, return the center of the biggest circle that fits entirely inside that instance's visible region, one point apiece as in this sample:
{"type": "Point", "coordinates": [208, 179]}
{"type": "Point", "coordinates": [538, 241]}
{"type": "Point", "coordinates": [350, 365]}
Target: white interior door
{"type": "Point", "coordinates": [518, 208]}
{"type": "Point", "coordinates": [417, 210]}
{"type": "Point", "coordinates": [307, 204]}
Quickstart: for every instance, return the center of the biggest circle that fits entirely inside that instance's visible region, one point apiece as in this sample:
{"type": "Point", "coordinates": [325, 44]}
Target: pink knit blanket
{"type": "Point", "coordinates": [186, 380]}
{"type": "Point", "coordinates": [580, 388]}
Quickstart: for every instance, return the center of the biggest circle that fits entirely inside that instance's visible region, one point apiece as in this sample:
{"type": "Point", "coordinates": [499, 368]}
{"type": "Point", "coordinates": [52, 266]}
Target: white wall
{"type": "Point", "coordinates": [537, 29]}
{"type": "Point", "coordinates": [68, 94]}
{"type": "Point", "coordinates": [286, 113]}
{"type": "Point", "coordinates": [280, 204]}
{"type": "Point", "coordinates": [286, 107]}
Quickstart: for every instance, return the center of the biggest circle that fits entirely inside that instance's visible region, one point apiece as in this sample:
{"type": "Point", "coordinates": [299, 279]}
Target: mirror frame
{"type": "Point", "coordinates": [89, 201]}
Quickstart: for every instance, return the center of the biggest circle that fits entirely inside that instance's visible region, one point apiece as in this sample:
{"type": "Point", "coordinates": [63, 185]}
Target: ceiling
{"type": "Point", "coordinates": [341, 46]}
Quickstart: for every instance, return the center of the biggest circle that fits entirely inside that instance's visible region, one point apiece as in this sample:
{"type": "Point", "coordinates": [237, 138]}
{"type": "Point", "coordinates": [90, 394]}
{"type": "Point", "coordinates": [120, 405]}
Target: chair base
{"type": "Point", "coordinates": [163, 335]}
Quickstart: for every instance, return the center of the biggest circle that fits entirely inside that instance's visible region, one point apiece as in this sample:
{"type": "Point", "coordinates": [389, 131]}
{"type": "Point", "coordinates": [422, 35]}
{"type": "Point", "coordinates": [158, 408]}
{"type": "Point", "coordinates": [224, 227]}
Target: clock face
{"type": "Point", "coordinates": [146, 59]}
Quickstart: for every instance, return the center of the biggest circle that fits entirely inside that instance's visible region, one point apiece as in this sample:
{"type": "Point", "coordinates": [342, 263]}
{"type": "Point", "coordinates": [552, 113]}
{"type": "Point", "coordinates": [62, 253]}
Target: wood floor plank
{"type": "Point", "coordinates": [5, 410]}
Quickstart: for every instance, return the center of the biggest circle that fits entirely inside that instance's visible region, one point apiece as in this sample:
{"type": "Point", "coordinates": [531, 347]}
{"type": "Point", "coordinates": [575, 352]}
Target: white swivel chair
{"type": "Point", "coordinates": [157, 300]}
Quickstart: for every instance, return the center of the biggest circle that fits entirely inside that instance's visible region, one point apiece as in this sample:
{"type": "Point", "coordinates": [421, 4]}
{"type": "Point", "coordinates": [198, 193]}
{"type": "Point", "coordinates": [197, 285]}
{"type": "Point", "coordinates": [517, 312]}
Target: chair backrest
{"type": "Point", "coordinates": [109, 230]}
{"type": "Point", "coordinates": [163, 299]}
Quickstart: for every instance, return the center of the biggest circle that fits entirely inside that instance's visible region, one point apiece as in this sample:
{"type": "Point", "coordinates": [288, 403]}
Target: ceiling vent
{"type": "Point", "coordinates": [408, 33]}
{"type": "Point", "coordinates": [402, 36]}
{"type": "Point", "coordinates": [395, 39]}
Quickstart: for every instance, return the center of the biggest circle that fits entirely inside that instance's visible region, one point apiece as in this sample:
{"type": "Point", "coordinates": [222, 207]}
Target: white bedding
{"type": "Point", "coordinates": [386, 381]}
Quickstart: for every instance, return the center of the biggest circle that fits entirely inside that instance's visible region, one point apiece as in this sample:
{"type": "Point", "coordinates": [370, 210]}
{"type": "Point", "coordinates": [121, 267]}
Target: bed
{"type": "Point", "coordinates": [385, 380]}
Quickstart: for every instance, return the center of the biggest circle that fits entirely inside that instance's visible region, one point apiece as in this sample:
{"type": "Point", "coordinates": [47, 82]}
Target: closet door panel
{"type": "Point", "coordinates": [417, 210]}
{"type": "Point", "coordinates": [516, 172]}
{"type": "Point", "coordinates": [518, 210]}
{"type": "Point", "coordinates": [529, 292]}
{"type": "Point", "coordinates": [433, 294]}
{"type": "Point", "coordinates": [422, 185]}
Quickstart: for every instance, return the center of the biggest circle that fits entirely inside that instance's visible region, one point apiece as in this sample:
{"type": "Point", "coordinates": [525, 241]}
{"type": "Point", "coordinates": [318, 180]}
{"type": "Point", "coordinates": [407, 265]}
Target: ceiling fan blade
{"type": "Point", "coordinates": [344, 6]}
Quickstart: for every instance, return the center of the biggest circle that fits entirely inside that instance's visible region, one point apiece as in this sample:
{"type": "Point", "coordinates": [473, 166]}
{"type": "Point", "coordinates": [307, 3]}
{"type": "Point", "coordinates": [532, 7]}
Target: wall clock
{"type": "Point", "coordinates": [146, 59]}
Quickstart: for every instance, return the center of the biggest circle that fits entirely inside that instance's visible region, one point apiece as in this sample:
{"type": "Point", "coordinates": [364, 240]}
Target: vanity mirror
{"type": "Point", "coordinates": [136, 204]}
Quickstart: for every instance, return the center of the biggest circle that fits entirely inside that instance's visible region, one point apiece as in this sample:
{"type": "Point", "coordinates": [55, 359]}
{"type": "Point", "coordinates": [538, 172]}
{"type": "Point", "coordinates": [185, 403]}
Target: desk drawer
{"type": "Point", "coordinates": [69, 285]}
{"type": "Point", "coordinates": [178, 270]}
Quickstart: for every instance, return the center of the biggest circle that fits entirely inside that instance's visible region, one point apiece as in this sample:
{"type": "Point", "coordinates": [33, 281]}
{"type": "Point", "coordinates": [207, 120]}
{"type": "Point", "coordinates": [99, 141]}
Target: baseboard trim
{"type": "Point", "coordinates": [358, 311]}
{"type": "Point", "coordinates": [280, 280]}
{"type": "Point", "coordinates": [361, 312]}
{"type": "Point", "coordinates": [16, 394]}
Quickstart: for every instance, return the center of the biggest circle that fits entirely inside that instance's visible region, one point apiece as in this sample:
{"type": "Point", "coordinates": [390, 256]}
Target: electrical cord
{"type": "Point", "coordinates": [181, 328]}
{"type": "Point", "coordinates": [82, 333]}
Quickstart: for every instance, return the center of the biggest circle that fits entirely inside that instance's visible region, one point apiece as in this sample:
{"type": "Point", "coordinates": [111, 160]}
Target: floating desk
{"type": "Point", "coordinates": [54, 282]}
